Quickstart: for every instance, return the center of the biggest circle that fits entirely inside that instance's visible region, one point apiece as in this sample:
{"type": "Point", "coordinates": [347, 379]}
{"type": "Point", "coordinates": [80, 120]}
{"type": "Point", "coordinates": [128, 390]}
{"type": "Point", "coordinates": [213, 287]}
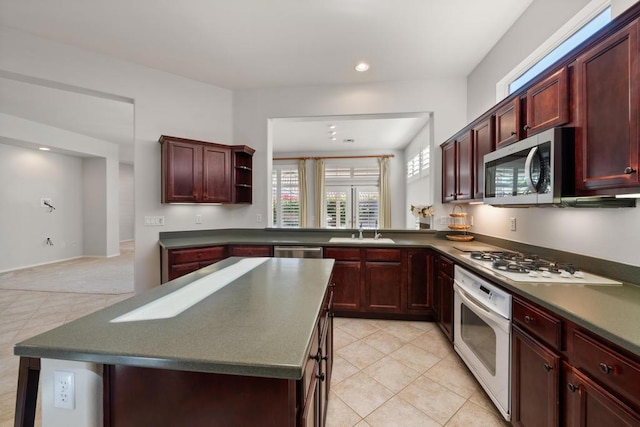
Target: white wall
{"type": "Point", "coordinates": [610, 234]}
{"type": "Point", "coordinates": [252, 109]}
{"type": "Point", "coordinates": [127, 219]}
{"type": "Point", "coordinates": [419, 191]}
{"type": "Point", "coordinates": [26, 176]}
{"type": "Point", "coordinates": [164, 104]}
{"type": "Point", "coordinates": [94, 218]}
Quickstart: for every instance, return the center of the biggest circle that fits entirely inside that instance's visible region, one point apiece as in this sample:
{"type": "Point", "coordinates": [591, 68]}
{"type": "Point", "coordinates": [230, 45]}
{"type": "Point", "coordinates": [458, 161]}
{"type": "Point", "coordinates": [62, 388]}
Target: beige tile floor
{"type": "Point", "coordinates": [386, 373]}
{"type": "Point", "coordinates": [395, 373]}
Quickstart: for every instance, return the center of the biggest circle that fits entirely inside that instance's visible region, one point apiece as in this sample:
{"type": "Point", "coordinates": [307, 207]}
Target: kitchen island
{"type": "Point", "coordinates": [241, 342]}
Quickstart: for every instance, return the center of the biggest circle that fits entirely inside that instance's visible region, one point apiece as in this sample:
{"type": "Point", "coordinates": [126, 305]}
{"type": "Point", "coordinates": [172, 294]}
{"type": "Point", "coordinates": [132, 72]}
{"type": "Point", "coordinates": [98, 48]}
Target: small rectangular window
{"type": "Point", "coordinates": [562, 49]}
{"type": "Point", "coordinates": [285, 198]}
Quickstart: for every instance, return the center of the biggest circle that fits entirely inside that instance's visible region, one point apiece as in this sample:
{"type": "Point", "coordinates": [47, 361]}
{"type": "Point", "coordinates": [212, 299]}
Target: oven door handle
{"type": "Point", "coordinates": [486, 313]}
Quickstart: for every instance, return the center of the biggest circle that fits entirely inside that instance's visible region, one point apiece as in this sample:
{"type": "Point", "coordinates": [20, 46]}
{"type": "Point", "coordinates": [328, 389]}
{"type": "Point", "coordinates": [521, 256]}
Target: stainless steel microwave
{"type": "Point", "coordinates": [538, 170]}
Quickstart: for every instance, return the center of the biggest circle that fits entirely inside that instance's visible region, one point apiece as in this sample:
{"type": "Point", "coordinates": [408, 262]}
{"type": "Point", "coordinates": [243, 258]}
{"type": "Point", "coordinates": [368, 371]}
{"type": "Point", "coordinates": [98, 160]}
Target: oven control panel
{"type": "Point", "coordinates": [484, 292]}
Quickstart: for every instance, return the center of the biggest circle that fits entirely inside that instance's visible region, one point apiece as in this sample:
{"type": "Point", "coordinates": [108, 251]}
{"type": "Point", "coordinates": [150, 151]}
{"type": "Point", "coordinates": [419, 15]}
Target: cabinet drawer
{"type": "Point", "coordinates": [342, 253]}
{"type": "Point", "coordinates": [382, 254]}
{"type": "Point", "coordinates": [250, 251]}
{"type": "Point", "coordinates": [538, 322]}
{"type": "Point", "coordinates": [607, 366]}
{"type": "Point", "coordinates": [445, 265]}
{"type": "Point", "coordinates": [181, 256]}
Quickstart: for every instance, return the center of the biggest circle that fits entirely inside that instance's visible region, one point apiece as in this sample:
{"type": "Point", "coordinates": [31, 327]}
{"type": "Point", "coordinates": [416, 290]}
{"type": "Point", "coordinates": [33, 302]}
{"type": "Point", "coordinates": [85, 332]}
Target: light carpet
{"type": "Point", "coordinates": [82, 275]}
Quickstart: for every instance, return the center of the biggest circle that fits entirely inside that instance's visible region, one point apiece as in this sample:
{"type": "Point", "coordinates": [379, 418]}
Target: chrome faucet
{"type": "Point", "coordinates": [376, 235]}
{"type": "Point", "coordinates": [360, 230]}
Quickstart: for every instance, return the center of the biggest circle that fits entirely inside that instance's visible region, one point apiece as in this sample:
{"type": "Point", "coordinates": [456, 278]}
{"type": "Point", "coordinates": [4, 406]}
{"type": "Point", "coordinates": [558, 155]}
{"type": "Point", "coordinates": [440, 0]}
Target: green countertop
{"type": "Point", "coordinates": [610, 311]}
{"type": "Point", "coordinates": [260, 324]}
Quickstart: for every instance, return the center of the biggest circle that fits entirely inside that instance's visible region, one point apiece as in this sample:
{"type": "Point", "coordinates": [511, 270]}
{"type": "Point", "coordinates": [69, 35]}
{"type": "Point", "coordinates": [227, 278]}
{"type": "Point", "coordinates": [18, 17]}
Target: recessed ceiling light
{"type": "Point", "coordinates": [332, 133]}
{"type": "Point", "coordinates": [44, 149]}
{"type": "Point", "coordinates": [333, 138]}
{"type": "Point", "coordinates": [362, 67]}
{"type": "Point", "coordinates": [332, 126]}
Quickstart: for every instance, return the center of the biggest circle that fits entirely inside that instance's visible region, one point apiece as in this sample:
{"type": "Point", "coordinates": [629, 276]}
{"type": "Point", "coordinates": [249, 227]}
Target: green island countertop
{"type": "Point", "coordinates": [612, 312]}
{"type": "Point", "coordinates": [259, 324]}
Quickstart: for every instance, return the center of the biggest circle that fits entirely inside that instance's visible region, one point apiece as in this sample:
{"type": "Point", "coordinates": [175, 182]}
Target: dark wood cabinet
{"type": "Point", "coordinates": [419, 276]}
{"type": "Point", "coordinates": [201, 172]}
{"type": "Point", "coordinates": [242, 161]}
{"type": "Point", "coordinates": [535, 379]}
{"type": "Point", "coordinates": [346, 278]}
{"type": "Point", "coordinates": [508, 123]}
{"type": "Point", "coordinates": [483, 139]}
{"type": "Point", "coordinates": [178, 262]}
{"type": "Point", "coordinates": [608, 93]}
{"type": "Point", "coordinates": [384, 284]}
{"type": "Point", "coordinates": [547, 103]}
{"type": "Point", "coordinates": [587, 404]}
{"type": "Point", "coordinates": [444, 292]}
{"type": "Point", "coordinates": [251, 250]}
{"type": "Point", "coordinates": [457, 168]}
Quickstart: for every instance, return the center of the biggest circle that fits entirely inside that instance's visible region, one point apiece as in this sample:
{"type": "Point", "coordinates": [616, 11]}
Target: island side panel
{"type": "Point", "coordinates": [144, 396]}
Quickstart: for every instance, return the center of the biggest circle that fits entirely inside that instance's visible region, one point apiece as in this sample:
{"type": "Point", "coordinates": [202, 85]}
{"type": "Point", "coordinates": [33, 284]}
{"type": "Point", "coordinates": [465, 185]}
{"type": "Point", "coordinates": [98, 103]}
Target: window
{"type": "Point", "coordinates": [413, 167]}
{"type": "Point", "coordinates": [351, 195]}
{"type": "Point", "coordinates": [418, 166]}
{"type": "Point", "coordinates": [285, 197]}
{"type": "Point", "coordinates": [602, 19]}
{"type": "Point", "coordinates": [425, 160]}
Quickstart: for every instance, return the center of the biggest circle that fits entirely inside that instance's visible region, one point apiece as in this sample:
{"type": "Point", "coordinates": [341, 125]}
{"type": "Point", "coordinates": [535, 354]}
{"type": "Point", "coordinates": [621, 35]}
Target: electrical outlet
{"type": "Point", "coordinates": [64, 390]}
{"type": "Point", "coordinates": [198, 219]}
{"type": "Point", "coordinates": [153, 220]}
{"type": "Point", "coordinates": [512, 222]}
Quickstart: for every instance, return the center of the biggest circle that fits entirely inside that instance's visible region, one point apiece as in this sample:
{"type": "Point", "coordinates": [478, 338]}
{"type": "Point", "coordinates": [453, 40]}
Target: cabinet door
{"type": "Point", "coordinates": [483, 142]}
{"type": "Point", "coordinates": [383, 286]}
{"type": "Point", "coordinates": [464, 166]}
{"type": "Point", "coordinates": [183, 172]}
{"type": "Point", "coordinates": [508, 120]}
{"type": "Point", "coordinates": [419, 279]}
{"type": "Point", "coordinates": [445, 291]}
{"type": "Point", "coordinates": [535, 382]}
{"type": "Point", "coordinates": [346, 277]}
{"type": "Point", "coordinates": [608, 86]}
{"type": "Point", "coordinates": [449, 189]}
{"type": "Point", "coordinates": [251, 250]}
{"type": "Point", "coordinates": [548, 103]}
{"type": "Point", "coordinates": [587, 404]}
{"type": "Point", "coordinates": [216, 181]}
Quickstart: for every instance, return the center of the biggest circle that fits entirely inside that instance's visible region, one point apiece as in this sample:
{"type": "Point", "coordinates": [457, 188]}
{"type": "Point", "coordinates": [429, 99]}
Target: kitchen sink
{"type": "Point", "coordinates": [367, 240]}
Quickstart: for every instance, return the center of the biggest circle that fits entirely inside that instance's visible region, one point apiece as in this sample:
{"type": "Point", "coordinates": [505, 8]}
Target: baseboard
{"type": "Point", "coordinates": [41, 264]}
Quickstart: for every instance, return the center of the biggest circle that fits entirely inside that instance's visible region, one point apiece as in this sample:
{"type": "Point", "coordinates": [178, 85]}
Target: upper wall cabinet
{"type": "Point", "coordinates": [547, 103]}
{"type": "Point", "coordinates": [483, 137]}
{"type": "Point", "coordinates": [608, 86]}
{"type": "Point", "coordinates": [457, 168]}
{"type": "Point", "coordinates": [201, 172]}
{"type": "Point", "coordinates": [508, 123]}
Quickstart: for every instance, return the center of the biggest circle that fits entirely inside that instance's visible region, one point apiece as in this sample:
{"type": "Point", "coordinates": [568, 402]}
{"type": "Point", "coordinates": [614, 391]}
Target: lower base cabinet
{"type": "Point", "coordinates": [535, 380]}
{"type": "Point", "coordinates": [587, 404]}
{"type": "Point", "coordinates": [443, 293]}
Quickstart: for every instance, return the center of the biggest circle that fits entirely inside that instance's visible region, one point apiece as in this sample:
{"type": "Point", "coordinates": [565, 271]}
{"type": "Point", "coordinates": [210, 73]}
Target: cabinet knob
{"type": "Point", "coordinates": [528, 319]}
{"type": "Point", "coordinates": [547, 367]}
{"type": "Point", "coordinates": [572, 387]}
{"type": "Point", "coordinates": [320, 377]}
{"type": "Point", "coordinates": [513, 133]}
{"type": "Point", "coordinates": [605, 369]}
{"type": "Point", "coordinates": [526, 127]}
{"type": "Point", "coordinates": [629, 170]}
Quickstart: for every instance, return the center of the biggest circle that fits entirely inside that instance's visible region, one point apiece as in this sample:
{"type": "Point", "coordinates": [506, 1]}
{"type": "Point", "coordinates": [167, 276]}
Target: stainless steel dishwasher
{"type": "Point", "coordinates": [297, 251]}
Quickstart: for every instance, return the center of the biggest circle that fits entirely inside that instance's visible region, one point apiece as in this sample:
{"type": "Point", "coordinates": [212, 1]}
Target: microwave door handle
{"type": "Point", "coordinates": [527, 170]}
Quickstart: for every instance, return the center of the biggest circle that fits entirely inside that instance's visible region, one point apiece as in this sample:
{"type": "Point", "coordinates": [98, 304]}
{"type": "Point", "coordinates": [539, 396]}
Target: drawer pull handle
{"type": "Point", "coordinates": [513, 133]}
{"type": "Point", "coordinates": [605, 369]}
{"type": "Point", "coordinates": [526, 127]}
{"type": "Point", "coordinates": [629, 170]}
{"type": "Point", "coordinates": [528, 319]}
{"type": "Point", "coordinates": [572, 387]}
{"type": "Point", "coordinates": [320, 377]}
{"type": "Point", "coordinates": [548, 367]}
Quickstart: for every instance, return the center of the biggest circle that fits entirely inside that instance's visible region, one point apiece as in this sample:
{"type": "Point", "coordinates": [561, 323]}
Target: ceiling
{"type": "Point", "coordinates": [240, 44]}
{"type": "Point", "coordinates": [362, 132]}
{"type": "Point", "coordinates": [245, 44]}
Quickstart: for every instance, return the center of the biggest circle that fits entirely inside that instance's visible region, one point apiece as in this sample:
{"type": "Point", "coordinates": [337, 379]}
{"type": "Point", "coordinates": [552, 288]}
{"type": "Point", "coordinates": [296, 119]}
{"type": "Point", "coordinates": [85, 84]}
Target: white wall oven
{"type": "Point", "coordinates": [482, 334]}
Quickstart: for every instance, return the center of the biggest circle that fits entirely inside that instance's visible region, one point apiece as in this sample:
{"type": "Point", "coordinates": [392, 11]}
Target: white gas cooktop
{"type": "Point", "coordinates": [578, 278]}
